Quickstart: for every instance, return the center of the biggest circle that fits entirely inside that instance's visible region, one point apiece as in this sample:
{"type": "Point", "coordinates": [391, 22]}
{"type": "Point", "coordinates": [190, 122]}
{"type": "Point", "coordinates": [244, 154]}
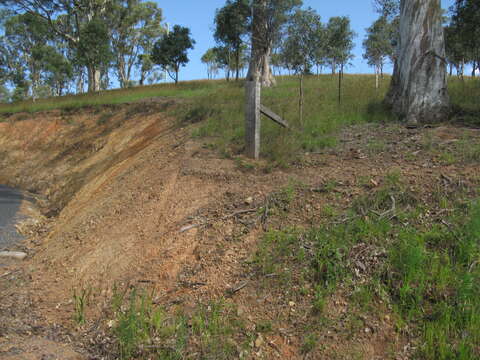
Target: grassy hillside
{"type": "Point", "coordinates": [219, 106]}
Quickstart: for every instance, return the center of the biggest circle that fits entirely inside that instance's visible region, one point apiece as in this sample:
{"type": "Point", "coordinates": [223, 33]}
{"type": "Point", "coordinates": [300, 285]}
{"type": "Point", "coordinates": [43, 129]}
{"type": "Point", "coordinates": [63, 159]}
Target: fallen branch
{"type": "Point", "coordinates": [206, 222]}
{"type": "Point", "coordinates": [237, 288]}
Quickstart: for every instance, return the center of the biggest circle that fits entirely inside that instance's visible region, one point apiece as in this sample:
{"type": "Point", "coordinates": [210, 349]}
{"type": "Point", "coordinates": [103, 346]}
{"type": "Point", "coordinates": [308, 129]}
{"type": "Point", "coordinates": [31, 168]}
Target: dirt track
{"type": "Point", "coordinates": [121, 192]}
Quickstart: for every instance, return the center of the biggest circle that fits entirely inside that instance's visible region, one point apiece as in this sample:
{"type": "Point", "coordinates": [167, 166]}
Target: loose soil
{"type": "Point", "coordinates": [130, 199]}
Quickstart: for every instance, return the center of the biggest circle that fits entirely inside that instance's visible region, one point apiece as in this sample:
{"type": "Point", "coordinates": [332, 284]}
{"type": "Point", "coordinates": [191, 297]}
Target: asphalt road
{"type": "Point", "coordinates": [10, 200]}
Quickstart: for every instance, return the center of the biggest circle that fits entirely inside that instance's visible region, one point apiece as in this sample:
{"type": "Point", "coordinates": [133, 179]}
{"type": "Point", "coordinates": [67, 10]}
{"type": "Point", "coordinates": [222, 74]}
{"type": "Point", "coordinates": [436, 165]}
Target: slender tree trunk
{"type": "Point", "coordinates": [474, 67]}
{"type": "Point", "coordinates": [80, 82]}
{"type": "Point", "coordinates": [300, 100]}
{"type": "Point", "coordinates": [377, 71]}
{"type": "Point", "coordinates": [339, 86]}
{"type": "Point", "coordinates": [334, 67]}
{"type": "Point", "coordinates": [418, 90]}
{"type": "Point", "coordinates": [450, 72]}
{"type": "Point", "coordinates": [237, 63]}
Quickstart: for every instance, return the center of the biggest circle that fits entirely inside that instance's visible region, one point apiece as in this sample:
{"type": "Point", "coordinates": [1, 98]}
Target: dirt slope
{"type": "Point", "coordinates": [140, 203]}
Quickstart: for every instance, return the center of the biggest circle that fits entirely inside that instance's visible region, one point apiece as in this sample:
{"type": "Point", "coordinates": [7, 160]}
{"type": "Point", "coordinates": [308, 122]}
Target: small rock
{"type": "Point", "coordinates": [259, 341]}
{"type": "Point", "coordinates": [240, 310]}
{"type": "Point", "coordinates": [368, 330]}
{"type": "Point", "coordinates": [291, 304]}
{"type": "Point", "coordinates": [17, 255]}
{"type": "Point", "coordinates": [249, 200]}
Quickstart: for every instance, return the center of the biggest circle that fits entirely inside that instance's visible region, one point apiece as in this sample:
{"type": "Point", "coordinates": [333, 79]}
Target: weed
{"type": "Point", "coordinates": [264, 326]}
{"type": "Point", "coordinates": [143, 330]}
{"type": "Point", "coordinates": [447, 158]}
{"type": "Point", "coordinates": [80, 302]}
{"type": "Point", "coordinates": [432, 280]}
{"type": "Point", "coordinates": [244, 165]}
{"type": "Point", "coordinates": [309, 343]}
{"type": "Point", "coordinates": [375, 147]}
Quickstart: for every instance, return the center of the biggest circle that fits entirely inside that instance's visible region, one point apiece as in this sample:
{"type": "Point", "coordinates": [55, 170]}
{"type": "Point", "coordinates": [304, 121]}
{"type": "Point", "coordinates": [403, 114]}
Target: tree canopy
{"type": "Point", "coordinates": [171, 52]}
{"type": "Point", "coordinates": [232, 24]}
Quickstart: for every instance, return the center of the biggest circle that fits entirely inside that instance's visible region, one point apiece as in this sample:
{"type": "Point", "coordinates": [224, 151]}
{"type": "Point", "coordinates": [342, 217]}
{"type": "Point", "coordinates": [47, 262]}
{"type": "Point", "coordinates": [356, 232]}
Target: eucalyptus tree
{"type": "Point", "coordinates": [30, 49]}
{"type": "Point", "coordinates": [456, 51]}
{"type": "Point", "coordinates": [211, 61]}
{"type": "Point", "coordinates": [232, 24]}
{"type": "Point", "coordinates": [418, 90]}
{"type": "Point", "coordinates": [378, 45]}
{"type": "Point", "coordinates": [171, 51]}
{"type": "Point", "coordinates": [339, 46]}
{"type": "Point", "coordinates": [72, 20]}
{"type": "Point", "coordinates": [268, 20]}
{"type": "Point", "coordinates": [224, 60]}
{"type": "Point", "coordinates": [339, 42]}
{"type": "Point", "coordinates": [134, 26]}
{"type": "Point", "coordinates": [466, 23]}
{"type": "Point", "coordinates": [299, 48]}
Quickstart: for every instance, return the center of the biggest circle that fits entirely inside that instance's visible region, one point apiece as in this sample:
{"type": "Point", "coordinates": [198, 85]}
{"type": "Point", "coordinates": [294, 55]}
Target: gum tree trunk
{"type": "Point", "coordinates": [418, 91]}
{"type": "Point", "coordinates": [253, 88]}
{"type": "Point", "coordinates": [261, 46]}
{"type": "Point", "coordinates": [267, 78]}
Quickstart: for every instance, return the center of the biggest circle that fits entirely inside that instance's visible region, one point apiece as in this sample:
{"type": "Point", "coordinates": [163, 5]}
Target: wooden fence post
{"type": "Point", "coordinates": [252, 118]}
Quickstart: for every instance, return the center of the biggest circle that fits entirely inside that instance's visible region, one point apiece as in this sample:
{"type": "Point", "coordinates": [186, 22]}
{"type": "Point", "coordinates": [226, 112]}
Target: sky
{"type": "Point", "coordinates": [198, 15]}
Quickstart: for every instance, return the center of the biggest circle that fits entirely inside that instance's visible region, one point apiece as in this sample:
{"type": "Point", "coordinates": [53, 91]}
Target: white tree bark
{"type": "Point", "coordinates": [253, 89]}
{"type": "Point", "coordinates": [418, 90]}
{"type": "Point", "coordinates": [267, 79]}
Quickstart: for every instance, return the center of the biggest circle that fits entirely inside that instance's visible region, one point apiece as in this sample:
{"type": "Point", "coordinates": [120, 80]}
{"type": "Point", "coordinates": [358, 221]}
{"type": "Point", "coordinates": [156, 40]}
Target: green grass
{"type": "Point", "coordinates": [80, 302]}
{"type": "Point", "coordinates": [184, 90]}
{"type": "Point", "coordinates": [144, 330]}
{"type": "Point", "coordinates": [429, 276]}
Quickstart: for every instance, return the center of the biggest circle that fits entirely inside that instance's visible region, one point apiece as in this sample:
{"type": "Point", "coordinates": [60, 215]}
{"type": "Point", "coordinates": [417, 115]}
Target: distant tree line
{"type": "Point", "coordinates": [54, 47]}
{"type": "Point", "coordinates": [299, 42]}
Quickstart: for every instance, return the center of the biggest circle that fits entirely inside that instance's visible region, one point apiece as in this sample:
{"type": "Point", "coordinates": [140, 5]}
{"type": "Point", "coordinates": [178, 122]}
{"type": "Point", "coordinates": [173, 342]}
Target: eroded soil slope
{"type": "Point", "coordinates": [138, 203]}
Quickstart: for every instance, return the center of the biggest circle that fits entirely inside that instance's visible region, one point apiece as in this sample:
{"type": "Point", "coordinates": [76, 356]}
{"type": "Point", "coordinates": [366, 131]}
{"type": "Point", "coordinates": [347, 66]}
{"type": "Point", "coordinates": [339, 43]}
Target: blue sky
{"type": "Point", "coordinates": [198, 16]}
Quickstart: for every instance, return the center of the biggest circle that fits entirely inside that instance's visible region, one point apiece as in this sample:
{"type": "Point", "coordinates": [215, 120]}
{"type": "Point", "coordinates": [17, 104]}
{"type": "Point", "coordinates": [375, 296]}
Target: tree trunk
{"type": "Point", "coordinates": [237, 63]}
{"type": "Point", "coordinates": [474, 67]}
{"type": "Point", "coordinates": [80, 82]}
{"type": "Point", "coordinates": [418, 91]}
{"type": "Point", "coordinates": [300, 100]}
{"type": "Point", "coordinates": [253, 87]}
{"type": "Point", "coordinates": [93, 79]}
{"type": "Point", "coordinates": [266, 77]}
{"type": "Point", "coordinates": [340, 86]}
